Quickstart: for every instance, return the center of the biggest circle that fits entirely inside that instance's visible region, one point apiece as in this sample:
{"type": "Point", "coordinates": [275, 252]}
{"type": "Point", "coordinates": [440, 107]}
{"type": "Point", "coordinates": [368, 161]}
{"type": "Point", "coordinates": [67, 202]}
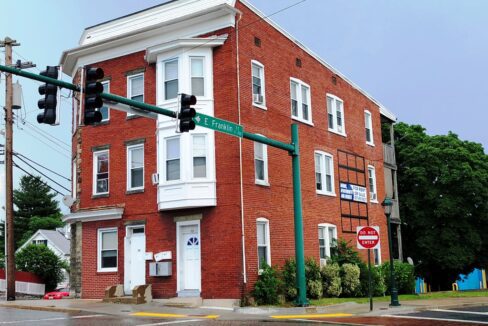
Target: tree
{"type": "Point", "coordinates": [43, 262]}
{"type": "Point", "coordinates": [34, 198]}
{"type": "Point", "coordinates": [443, 187]}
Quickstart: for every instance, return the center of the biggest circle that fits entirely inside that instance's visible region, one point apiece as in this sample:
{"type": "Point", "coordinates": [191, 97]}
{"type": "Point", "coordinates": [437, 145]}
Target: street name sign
{"type": "Point", "coordinates": [218, 125]}
{"type": "Point", "coordinates": [368, 237]}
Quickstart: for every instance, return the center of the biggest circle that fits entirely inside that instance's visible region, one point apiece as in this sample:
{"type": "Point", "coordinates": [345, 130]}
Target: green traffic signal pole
{"type": "Point", "coordinates": [293, 149]}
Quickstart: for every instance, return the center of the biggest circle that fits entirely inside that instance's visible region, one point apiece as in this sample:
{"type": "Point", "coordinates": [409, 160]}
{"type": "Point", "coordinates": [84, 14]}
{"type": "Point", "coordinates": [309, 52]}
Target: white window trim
{"type": "Point", "coordinates": [129, 88]}
{"type": "Point", "coordinates": [165, 159]}
{"type": "Point", "coordinates": [327, 243]}
{"type": "Point", "coordinates": [95, 171]}
{"type": "Point", "coordinates": [368, 113]}
{"type": "Point", "coordinates": [74, 178]}
{"type": "Point", "coordinates": [163, 74]}
{"type": "Point", "coordinates": [129, 167]}
{"type": "Point", "coordinates": [374, 184]}
{"type": "Point", "coordinates": [379, 256]}
{"type": "Point", "coordinates": [299, 100]}
{"type": "Point", "coordinates": [268, 242]}
{"type": "Point", "coordinates": [207, 153]}
{"type": "Point", "coordinates": [204, 76]}
{"type": "Point", "coordinates": [323, 191]}
{"type": "Point", "coordinates": [263, 87]}
{"type": "Point", "coordinates": [99, 250]}
{"type": "Point", "coordinates": [107, 82]}
{"type": "Point", "coordinates": [264, 182]}
{"type": "Point", "coordinates": [334, 130]}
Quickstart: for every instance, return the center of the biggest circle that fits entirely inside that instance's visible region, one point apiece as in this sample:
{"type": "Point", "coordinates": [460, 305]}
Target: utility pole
{"type": "Point", "coordinates": [8, 43]}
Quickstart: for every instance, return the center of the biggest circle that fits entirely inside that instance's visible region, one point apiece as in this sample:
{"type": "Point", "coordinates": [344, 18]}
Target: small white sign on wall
{"type": "Point", "coordinates": [162, 255]}
{"type": "Point", "coordinates": [149, 256]}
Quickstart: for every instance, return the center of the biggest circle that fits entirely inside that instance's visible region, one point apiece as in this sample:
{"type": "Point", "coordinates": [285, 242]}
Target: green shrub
{"type": "Point", "coordinates": [40, 260]}
{"type": "Point", "coordinates": [351, 284]}
{"type": "Point", "coordinates": [404, 277]}
{"type": "Point", "coordinates": [314, 279]}
{"type": "Point", "coordinates": [377, 280]}
{"type": "Point", "coordinates": [267, 287]}
{"type": "Point", "coordinates": [331, 280]}
{"type": "Point", "coordinates": [289, 279]}
{"type": "Point", "coordinates": [344, 253]}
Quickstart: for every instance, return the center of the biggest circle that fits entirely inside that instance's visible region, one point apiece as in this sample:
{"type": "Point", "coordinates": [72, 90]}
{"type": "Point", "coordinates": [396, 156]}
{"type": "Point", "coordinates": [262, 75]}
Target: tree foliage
{"type": "Point", "coordinates": [33, 199]}
{"type": "Point", "coordinates": [443, 186]}
{"type": "Point", "coordinates": [43, 262]}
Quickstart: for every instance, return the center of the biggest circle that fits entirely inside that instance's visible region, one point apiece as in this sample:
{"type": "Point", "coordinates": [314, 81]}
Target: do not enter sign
{"type": "Point", "coordinates": [368, 237]}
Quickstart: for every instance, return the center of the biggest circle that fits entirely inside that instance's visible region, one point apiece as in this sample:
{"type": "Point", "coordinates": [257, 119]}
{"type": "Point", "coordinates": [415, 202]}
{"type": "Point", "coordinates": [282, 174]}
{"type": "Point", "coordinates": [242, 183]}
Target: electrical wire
{"type": "Point", "coordinates": [63, 154]}
{"type": "Point", "coordinates": [48, 134]}
{"type": "Point", "coordinates": [48, 138]}
{"type": "Point", "coordinates": [31, 160]}
{"type": "Point", "coordinates": [45, 176]}
{"type": "Point", "coordinates": [18, 167]}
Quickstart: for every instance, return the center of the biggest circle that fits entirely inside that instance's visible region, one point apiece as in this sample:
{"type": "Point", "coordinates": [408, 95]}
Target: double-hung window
{"type": "Point", "coordinates": [136, 87]}
{"type": "Point", "coordinates": [135, 167]}
{"type": "Point", "coordinates": [335, 114]}
{"type": "Point", "coordinates": [199, 156]}
{"type": "Point", "coordinates": [368, 125]}
{"type": "Point", "coordinates": [104, 110]}
{"type": "Point", "coordinates": [100, 172]}
{"type": "Point", "coordinates": [261, 163]}
{"type": "Point", "coordinates": [373, 195]}
{"type": "Point", "coordinates": [300, 101]}
{"type": "Point", "coordinates": [258, 95]}
{"type": "Point", "coordinates": [107, 250]}
{"type": "Point", "coordinates": [171, 79]}
{"type": "Point", "coordinates": [264, 256]}
{"type": "Point", "coordinates": [324, 173]}
{"type": "Point", "coordinates": [327, 241]}
{"type": "Point", "coordinates": [173, 158]}
{"type": "Point", "coordinates": [197, 76]}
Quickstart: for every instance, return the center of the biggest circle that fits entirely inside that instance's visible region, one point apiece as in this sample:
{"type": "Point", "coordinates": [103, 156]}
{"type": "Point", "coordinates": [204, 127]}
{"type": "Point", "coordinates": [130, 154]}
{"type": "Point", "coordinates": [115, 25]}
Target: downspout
{"type": "Point", "coordinates": [243, 236]}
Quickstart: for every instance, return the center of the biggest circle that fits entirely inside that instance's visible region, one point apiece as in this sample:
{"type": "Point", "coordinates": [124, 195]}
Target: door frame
{"type": "Point", "coordinates": [128, 230]}
{"type": "Point", "coordinates": [179, 262]}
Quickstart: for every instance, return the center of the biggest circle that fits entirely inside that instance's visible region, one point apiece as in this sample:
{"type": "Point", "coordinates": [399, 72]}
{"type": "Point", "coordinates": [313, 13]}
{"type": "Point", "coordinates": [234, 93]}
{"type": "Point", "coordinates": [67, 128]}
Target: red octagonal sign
{"type": "Point", "coordinates": [368, 237]}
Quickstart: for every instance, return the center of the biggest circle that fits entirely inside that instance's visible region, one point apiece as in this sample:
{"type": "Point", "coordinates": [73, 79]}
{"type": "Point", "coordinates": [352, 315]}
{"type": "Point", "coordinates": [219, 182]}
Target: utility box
{"type": "Point", "coordinates": [160, 269]}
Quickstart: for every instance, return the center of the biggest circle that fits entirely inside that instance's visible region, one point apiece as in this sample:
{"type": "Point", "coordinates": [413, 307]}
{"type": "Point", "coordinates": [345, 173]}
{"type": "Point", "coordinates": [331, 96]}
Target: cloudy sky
{"type": "Point", "coordinates": [425, 60]}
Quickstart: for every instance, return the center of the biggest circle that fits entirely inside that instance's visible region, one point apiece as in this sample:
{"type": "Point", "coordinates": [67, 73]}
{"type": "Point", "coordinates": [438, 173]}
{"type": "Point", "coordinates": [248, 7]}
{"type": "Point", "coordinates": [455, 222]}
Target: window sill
{"type": "Point", "coordinates": [303, 121]}
{"type": "Point", "coordinates": [262, 183]}
{"type": "Point", "coordinates": [95, 196]}
{"type": "Point", "coordinates": [330, 194]}
{"type": "Point", "coordinates": [370, 144]}
{"type": "Point", "coordinates": [102, 123]}
{"type": "Point", "coordinates": [260, 106]}
{"type": "Point", "coordinates": [374, 201]}
{"type": "Point", "coordinates": [343, 134]}
{"type": "Point", "coordinates": [134, 191]}
{"type": "Point", "coordinates": [106, 271]}
{"type": "Point", "coordinates": [133, 116]}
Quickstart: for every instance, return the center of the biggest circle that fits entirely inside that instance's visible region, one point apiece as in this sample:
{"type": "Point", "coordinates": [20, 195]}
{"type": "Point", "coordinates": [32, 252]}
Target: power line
{"type": "Point", "coordinates": [31, 160]}
{"type": "Point", "coordinates": [48, 134]}
{"type": "Point", "coordinates": [47, 138]}
{"type": "Point", "coordinates": [63, 154]}
{"type": "Point", "coordinates": [18, 167]}
{"type": "Point", "coordinates": [45, 176]}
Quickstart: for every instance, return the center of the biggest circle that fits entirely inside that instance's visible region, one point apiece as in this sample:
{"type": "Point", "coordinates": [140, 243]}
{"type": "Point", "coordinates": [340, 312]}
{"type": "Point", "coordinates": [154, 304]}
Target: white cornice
{"type": "Point", "coordinates": [94, 215]}
{"type": "Point", "coordinates": [213, 41]}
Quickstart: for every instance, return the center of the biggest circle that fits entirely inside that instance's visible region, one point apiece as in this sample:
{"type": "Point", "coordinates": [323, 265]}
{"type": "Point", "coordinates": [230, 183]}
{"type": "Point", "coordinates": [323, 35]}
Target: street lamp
{"type": "Point", "coordinates": [387, 204]}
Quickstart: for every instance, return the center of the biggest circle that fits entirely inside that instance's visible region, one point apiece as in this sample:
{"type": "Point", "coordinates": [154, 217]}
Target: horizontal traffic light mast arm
{"type": "Point", "coordinates": [140, 105]}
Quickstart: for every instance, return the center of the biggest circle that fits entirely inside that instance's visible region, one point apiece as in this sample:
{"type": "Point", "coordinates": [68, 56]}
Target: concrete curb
{"type": "Point", "coordinates": [41, 308]}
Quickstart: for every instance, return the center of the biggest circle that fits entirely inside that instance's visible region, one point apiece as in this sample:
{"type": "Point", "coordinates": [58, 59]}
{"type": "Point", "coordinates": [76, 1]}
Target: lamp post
{"type": "Point", "coordinates": [387, 204]}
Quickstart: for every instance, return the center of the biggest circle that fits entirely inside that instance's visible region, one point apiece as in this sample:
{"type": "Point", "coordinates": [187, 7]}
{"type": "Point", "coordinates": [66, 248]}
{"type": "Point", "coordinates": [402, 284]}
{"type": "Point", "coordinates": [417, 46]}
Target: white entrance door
{"type": "Point", "coordinates": [189, 269]}
{"type": "Point", "coordinates": [135, 263]}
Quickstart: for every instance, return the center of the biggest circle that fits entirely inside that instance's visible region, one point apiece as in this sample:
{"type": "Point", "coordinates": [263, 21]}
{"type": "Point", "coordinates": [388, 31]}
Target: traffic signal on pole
{"type": "Point", "coordinates": [49, 102]}
{"type": "Point", "coordinates": [92, 98]}
{"type": "Point", "coordinates": [187, 113]}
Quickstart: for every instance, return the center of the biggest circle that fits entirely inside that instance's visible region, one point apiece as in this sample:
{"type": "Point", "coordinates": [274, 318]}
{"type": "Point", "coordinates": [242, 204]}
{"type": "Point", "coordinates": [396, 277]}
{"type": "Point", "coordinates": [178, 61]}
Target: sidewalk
{"type": "Point", "coordinates": [238, 313]}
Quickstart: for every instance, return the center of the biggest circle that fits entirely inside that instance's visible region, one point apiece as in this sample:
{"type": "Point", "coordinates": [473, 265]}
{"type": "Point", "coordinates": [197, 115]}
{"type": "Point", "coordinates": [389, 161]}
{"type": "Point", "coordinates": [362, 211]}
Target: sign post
{"type": "Point", "coordinates": [368, 237]}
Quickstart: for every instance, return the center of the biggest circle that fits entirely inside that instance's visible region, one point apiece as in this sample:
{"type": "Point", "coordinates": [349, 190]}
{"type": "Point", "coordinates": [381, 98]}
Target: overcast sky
{"type": "Point", "coordinates": [425, 60]}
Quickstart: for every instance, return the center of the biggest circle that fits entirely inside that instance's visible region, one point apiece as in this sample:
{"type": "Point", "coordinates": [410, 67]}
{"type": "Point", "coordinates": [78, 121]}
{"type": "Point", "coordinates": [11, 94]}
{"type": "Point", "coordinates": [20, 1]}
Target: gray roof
{"type": "Point", "coordinates": [57, 239]}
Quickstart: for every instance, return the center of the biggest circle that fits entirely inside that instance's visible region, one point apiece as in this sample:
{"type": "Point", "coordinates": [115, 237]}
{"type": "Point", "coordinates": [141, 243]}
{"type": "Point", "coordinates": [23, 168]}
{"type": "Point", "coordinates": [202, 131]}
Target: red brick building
{"type": "Point", "coordinates": [210, 204]}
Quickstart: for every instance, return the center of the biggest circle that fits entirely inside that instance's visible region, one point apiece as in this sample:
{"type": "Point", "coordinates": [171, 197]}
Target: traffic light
{"type": "Point", "coordinates": [186, 112]}
{"type": "Point", "coordinates": [49, 102]}
{"type": "Point", "coordinates": [92, 99]}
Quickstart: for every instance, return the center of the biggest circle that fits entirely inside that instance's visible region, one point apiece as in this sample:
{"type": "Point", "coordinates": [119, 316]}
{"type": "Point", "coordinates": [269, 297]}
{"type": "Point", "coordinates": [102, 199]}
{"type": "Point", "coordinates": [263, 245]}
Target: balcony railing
{"type": "Point", "coordinates": [389, 154]}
